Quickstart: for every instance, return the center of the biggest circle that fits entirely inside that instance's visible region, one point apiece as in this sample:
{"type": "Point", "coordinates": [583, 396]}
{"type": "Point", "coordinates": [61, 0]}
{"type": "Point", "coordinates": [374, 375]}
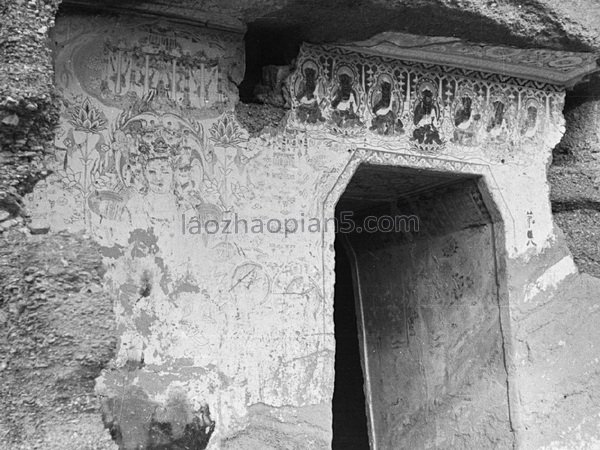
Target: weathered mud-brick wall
{"type": "Point", "coordinates": [27, 107]}
{"type": "Point", "coordinates": [215, 244]}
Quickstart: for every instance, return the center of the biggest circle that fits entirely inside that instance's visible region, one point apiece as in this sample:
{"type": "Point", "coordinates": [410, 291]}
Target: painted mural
{"type": "Point", "coordinates": [431, 109]}
{"type": "Point", "coordinates": [145, 127]}
{"type": "Point", "coordinates": [150, 162]}
{"type": "Point", "coordinates": [149, 159]}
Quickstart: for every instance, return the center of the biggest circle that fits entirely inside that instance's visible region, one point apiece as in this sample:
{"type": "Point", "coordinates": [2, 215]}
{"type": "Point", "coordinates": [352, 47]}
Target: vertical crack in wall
{"type": "Point", "coordinates": [511, 399]}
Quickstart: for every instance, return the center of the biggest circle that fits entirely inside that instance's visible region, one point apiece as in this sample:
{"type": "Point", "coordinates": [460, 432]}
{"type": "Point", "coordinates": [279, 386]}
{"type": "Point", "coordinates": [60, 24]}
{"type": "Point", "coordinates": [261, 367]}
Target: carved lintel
{"type": "Point", "coordinates": [542, 65]}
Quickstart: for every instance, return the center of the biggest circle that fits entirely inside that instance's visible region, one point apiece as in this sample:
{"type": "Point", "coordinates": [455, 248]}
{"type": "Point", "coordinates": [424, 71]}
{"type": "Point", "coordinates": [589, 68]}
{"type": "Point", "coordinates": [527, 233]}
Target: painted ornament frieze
{"type": "Point", "coordinates": [425, 107]}
{"type": "Point", "coordinates": [186, 70]}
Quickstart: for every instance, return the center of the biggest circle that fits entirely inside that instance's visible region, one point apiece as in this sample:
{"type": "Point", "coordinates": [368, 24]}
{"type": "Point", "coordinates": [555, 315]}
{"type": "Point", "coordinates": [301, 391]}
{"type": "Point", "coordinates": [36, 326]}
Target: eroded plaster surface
{"type": "Point", "coordinates": [150, 161]}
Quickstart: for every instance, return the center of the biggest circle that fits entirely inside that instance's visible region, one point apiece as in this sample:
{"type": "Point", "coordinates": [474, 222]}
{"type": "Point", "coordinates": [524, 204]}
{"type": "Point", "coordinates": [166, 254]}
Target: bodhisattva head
{"type": "Point", "coordinates": [159, 173]}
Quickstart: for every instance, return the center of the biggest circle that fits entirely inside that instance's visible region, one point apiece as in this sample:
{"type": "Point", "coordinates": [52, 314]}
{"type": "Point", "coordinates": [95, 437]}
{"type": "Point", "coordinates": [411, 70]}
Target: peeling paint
{"type": "Point", "coordinates": [551, 278]}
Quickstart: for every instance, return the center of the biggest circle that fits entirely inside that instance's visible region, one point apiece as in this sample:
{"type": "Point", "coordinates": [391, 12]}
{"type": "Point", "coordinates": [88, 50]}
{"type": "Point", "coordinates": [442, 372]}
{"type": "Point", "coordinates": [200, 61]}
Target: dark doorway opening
{"type": "Point", "coordinates": [349, 411]}
{"type": "Point", "coordinates": [422, 254]}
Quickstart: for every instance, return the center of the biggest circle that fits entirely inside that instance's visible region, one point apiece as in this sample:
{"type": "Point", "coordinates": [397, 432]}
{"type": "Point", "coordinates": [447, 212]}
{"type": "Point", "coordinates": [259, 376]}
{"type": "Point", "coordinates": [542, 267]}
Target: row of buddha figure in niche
{"type": "Point", "coordinates": [343, 105]}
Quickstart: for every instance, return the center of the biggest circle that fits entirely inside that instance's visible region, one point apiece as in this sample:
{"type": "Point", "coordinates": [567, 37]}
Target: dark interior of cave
{"type": "Point", "coordinates": [266, 45]}
{"type": "Point", "coordinates": [428, 308]}
{"type": "Point", "coordinates": [349, 410]}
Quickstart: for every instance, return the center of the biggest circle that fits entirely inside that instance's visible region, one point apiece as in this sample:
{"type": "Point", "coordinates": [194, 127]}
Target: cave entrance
{"type": "Point", "coordinates": [420, 357]}
{"type": "Point", "coordinates": [349, 407]}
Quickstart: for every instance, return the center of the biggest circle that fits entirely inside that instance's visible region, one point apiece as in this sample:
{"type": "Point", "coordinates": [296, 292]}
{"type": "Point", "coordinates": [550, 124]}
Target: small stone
{"type": "Point", "coordinates": [11, 120]}
{"type": "Point", "coordinates": [6, 224]}
{"type": "Point", "coordinates": [27, 154]}
{"type": "Point", "coordinates": [38, 226]}
{"type": "Point", "coordinates": [11, 101]}
{"type": "Point", "coordinates": [91, 289]}
{"type": "Point", "coordinates": [4, 215]}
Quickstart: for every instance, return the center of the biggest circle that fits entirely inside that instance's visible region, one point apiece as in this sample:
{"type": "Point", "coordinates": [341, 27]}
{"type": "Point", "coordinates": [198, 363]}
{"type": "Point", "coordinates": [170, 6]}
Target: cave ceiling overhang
{"type": "Point", "coordinates": [558, 67]}
{"type": "Point", "coordinates": [219, 18]}
{"type": "Point", "coordinates": [542, 65]}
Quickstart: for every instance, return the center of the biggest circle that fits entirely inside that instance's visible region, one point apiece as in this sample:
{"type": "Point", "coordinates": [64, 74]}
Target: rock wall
{"type": "Point", "coordinates": [575, 177]}
{"type": "Point", "coordinates": [27, 107]}
{"type": "Point", "coordinates": [57, 333]}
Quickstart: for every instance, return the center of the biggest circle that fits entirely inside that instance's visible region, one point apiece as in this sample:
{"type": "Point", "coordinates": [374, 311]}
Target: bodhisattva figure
{"type": "Point", "coordinates": [465, 121]}
{"type": "Point", "coordinates": [530, 124]}
{"type": "Point", "coordinates": [426, 120]}
{"type": "Point", "coordinates": [157, 202]}
{"type": "Point", "coordinates": [344, 103]}
{"type": "Point", "coordinates": [309, 111]}
{"type": "Point", "coordinates": [497, 127]}
{"type": "Point", "coordinates": [385, 121]}
{"type": "Point", "coordinates": [188, 177]}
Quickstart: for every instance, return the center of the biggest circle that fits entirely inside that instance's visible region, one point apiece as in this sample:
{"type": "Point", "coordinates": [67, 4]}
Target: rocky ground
{"type": "Point", "coordinates": [56, 334]}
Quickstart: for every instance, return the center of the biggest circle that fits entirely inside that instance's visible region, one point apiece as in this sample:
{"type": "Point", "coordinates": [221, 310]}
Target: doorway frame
{"type": "Point", "coordinates": [487, 185]}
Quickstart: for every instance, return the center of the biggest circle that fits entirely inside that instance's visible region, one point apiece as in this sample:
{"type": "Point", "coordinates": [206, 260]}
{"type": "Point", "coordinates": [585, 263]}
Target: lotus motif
{"type": "Point", "coordinates": [226, 132]}
{"type": "Point", "coordinates": [87, 118]}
